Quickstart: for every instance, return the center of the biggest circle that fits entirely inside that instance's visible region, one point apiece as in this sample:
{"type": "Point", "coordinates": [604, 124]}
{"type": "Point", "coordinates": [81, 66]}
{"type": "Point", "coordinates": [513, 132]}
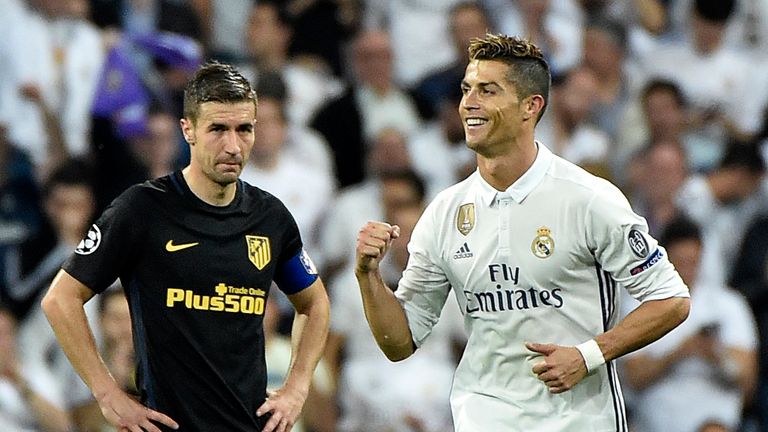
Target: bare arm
{"type": "Point", "coordinates": [563, 367]}
{"type": "Point", "coordinates": [310, 330]}
{"type": "Point", "coordinates": [63, 305]}
{"type": "Point", "coordinates": [383, 311]}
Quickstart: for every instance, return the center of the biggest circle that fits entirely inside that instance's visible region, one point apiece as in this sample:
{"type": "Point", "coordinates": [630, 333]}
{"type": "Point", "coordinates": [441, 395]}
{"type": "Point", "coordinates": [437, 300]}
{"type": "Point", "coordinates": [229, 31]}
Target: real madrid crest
{"type": "Point", "coordinates": [543, 245]}
{"type": "Point", "coordinates": [465, 218]}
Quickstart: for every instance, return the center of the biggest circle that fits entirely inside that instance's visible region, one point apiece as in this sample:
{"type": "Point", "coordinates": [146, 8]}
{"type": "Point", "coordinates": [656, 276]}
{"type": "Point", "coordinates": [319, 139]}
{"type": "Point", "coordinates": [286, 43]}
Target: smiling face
{"type": "Point", "coordinates": [221, 138]}
{"type": "Point", "coordinates": [491, 110]}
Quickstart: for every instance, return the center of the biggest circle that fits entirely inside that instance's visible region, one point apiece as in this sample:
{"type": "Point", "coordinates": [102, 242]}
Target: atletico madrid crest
{"type": "Point", "coordinates": [258, 251]}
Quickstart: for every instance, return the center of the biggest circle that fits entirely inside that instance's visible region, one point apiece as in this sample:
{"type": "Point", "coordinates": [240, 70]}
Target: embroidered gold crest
{"type": "Point", "coordinates": [543, 245]}
{"type": "Point", "coordinates": [258, 250]}
{"type": "Point", "coordinates": [465, 218]}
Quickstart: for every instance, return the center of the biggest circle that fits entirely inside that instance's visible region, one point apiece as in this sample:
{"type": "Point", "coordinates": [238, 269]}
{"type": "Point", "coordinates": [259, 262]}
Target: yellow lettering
{"type": "Point", "coordinates": [217, 304]}
{"type": "Point", "coordinates": [232, 304]}
{"type": "Point", "coordinates": [200, 302]}
{"type": "Point", "coordinates": [173, 295]}
{"type": "Point", "coordinates": [258, 308]}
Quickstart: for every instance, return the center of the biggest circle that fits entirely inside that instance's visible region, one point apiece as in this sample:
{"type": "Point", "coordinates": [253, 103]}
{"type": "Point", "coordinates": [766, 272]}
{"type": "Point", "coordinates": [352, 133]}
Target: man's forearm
{"type": "Point", "coordinates": [309, 334]}
{"type": "Point", "coordinates": [70, 324]}
{"type": "Point", "coordinates": [385, 316]}
{"type": "Point", "coordinates": [650, 321]}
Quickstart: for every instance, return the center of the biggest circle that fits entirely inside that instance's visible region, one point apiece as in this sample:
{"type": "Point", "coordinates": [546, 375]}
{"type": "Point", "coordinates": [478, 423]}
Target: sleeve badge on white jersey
{"type": "Point", "coordinates": [543, 245]}
{"type": "Point", "coordinates": [90, 243]}
{"type": "Point", "coordinates": [638, 243]}
{"type": "Point", "coordinates": [465, 218]}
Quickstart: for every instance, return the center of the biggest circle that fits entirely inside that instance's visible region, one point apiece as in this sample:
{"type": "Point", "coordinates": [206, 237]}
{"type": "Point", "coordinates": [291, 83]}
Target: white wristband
{"type": "Point", "coordinates": [592, 354]}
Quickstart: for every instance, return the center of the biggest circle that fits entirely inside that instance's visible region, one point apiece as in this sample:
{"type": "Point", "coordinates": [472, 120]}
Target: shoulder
{"type": "Point", "coordinates": [574, 181]}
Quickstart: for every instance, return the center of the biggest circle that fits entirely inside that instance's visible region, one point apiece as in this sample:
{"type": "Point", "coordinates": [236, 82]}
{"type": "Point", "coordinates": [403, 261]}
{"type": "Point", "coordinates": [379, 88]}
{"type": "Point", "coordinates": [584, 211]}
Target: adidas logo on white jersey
{"type": "Point", "coordinates": [463, 252]}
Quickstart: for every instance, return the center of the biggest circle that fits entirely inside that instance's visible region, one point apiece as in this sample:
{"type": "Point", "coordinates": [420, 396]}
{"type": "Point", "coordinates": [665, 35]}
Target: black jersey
{"type": "Point", "coordinates": [197, 278]}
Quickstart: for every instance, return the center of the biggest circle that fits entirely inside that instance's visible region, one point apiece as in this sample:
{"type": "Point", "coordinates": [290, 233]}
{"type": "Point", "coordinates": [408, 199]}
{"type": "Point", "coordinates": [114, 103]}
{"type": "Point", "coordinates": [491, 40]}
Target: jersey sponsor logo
{"type": "Point", "coordinates": [258, 251]}
{"type": "Point", "coordinates": [170, 247]}
{"type": "Point", "coordinates": [638, 243]}
{"type": "Point", "coordinates": [227, 298]}
{"type": "Point", "coordinates": [507, 295]}
{"type": "Point", "coordinates": [307, 262]}
{"type": "Point", "coordinates": [463, 252]}
{"type": "Point", "coordinates": [543, 245]}
{"type": "Point", "coordinates": [465, 218]}
{"type": "Point", "coordinates": [90, 243]}
{"type": "Point", "coordinates": [654, 258]}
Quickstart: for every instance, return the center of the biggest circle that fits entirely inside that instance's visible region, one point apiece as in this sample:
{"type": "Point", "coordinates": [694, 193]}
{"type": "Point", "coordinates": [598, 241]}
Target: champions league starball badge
{"type": "Point", "coordinates": [543, 245]}
{"type": "Point", "coordinates": [90, 243]}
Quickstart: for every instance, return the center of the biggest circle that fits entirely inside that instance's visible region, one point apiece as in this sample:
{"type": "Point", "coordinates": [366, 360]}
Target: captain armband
{"type": "Point", "coordinates": [592, 354]}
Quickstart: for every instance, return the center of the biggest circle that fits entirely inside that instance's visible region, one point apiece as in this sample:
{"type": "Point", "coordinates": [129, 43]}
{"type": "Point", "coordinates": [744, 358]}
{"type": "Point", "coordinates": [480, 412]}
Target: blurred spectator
{"type": "Point", "coordinates": [376, 395]}
{"type": "Point", "coordinates": [717, 80]}
{"type": "Point", "coordinates": [224, 22]}
{"type": "Point", "coordinates": [644, 20]}
{"type": "Point", "coordinates": [148, 16]}
{"type": "Point", "coordinates": [25, 401]}
{"type": "Point", "coordinates": [605, 54]}
{"type": "Point", "coordinates": [69, 205]}
{"type": "Point", "coordinates": [566, 125]}
{"type": "Point", "coordinates": [303, 186]}
{"type": "Point", "coordinates": [724, 202]}
{"type": "Point", "coordinates": [54, 65]}
{"type": "Point", "coordinates": [665, 116]}
{"type": "Point", "coordinates": [318, 413]}
{"type": "Point", "coordinates": [392, 181]}
{"type": "Point", "coordinates": [322, 28]}
{"type": "Point", "coordinates": [703, 371]}
{"type": "Point", "coordinates": [308, 79]}
{"type": "Point", "coordinates": [468, 19]}
{"type": "Point", "coordinates": [416, 28]}
{"type": "Point", "coordinates": [117, 337]}
{"type": "Point", "coordinates": [750, 276]}
{"type": "Point", "coordinates": [372, 103]}
{"type": "Point", "coordinates": [556, 26]}
{"type": "Point", "coordinates": [439, 152]}
{"type": "Point", "coordinates": [21, 214]}
{"type": "Point", "coordinates": [659, 172]}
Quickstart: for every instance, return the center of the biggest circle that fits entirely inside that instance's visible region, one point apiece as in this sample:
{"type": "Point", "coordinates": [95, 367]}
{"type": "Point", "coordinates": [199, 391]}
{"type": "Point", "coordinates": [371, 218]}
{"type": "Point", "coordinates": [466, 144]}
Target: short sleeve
{"type": "Point", "coordinates": [106, 251]}
{"type": "Point", "coordinates": [622, 246]}
{"type": "Point", "coordinates": [424, 286]}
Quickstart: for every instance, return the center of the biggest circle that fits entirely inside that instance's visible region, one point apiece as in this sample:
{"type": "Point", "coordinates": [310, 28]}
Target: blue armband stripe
{"type": "Point", "coordinates": [296, 274]}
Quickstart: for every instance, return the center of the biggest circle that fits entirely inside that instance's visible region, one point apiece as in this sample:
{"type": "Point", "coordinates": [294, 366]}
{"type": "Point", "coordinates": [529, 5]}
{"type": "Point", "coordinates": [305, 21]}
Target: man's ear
{"type": "Point", "coordinates": [534, 104]}
{"type": "Point", "coordinates": [187, 129]}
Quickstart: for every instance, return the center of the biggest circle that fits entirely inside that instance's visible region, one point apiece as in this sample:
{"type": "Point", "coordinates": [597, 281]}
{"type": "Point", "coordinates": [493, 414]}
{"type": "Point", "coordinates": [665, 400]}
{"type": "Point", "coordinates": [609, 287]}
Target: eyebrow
{"type": "Point", "coordinates": [464, 83]}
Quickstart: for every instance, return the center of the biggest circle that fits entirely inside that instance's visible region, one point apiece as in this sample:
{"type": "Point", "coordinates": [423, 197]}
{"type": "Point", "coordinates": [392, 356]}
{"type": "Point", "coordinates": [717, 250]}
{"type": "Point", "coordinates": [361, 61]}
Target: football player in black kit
{"type": "Point", "coordinates": [197, 252]}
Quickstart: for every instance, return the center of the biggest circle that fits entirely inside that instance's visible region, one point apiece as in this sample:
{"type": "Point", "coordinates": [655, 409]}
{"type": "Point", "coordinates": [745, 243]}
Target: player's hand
{"type": "Point", "coordinates": [561, 368]}
{"type": "Point", "coordinates": [373, 240]}
{"type": "Point", "coordinates": [284, 405]}
{"type": "Point", "coordinates": [125, 413]}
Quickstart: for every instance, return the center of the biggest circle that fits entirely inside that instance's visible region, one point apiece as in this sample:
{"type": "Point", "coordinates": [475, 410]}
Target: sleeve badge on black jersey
{"type": "Point", "coordinates": [465, 218]}
{"type": "Point", "coordinates": [258, 251]}
{"type": "Point", "coordinates": [543, 245]}
{"type": "Point", "coordinates": [90, 243]}
{"type": "Point", "coordinates": [638, 243]}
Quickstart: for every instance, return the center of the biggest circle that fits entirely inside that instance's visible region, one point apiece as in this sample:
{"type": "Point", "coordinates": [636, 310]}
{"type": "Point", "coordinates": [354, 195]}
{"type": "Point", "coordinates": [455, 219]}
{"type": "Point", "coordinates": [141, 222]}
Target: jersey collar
{"type": "Point", "coordinates": [523, 186]}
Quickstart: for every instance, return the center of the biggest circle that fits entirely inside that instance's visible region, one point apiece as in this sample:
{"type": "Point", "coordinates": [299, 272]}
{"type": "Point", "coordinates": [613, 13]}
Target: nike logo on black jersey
{"type": "Point", "coordinates": [170, 247]}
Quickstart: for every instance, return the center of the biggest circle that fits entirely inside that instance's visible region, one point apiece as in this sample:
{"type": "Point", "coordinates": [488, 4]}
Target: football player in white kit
{"type": "Point", "coordinates": [534, 249]}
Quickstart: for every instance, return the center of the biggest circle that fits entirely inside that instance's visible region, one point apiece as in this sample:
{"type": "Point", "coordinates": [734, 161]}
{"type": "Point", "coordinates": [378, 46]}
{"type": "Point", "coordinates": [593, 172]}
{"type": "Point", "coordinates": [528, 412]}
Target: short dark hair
{"type": "Point", "coordinates": [529, 71]}
{"type": "Point", "coordinates": [71, 172]}
{"type": "Point", "coordinates": [744, 155]}
{"type": "Point", "coordinates": [664, 85]}
{"type": "Point", "coordinates": [715, 10]}
{"type": "Point", "coordinates": [216, 82]}
{"type": "Point", "coordinates": [680, 228]}
{"type": "Point", "coordinates": [409, 176]}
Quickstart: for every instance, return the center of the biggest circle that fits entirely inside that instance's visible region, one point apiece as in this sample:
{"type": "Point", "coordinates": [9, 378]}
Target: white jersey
{"type": "Point", "coordinates": [540, 262]}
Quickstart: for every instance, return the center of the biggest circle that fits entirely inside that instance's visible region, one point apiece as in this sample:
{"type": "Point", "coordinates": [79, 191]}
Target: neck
{"type": "Point", "coordinates": [501, 171]}
{"type": "Point", "coordinates": [207, 190]}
